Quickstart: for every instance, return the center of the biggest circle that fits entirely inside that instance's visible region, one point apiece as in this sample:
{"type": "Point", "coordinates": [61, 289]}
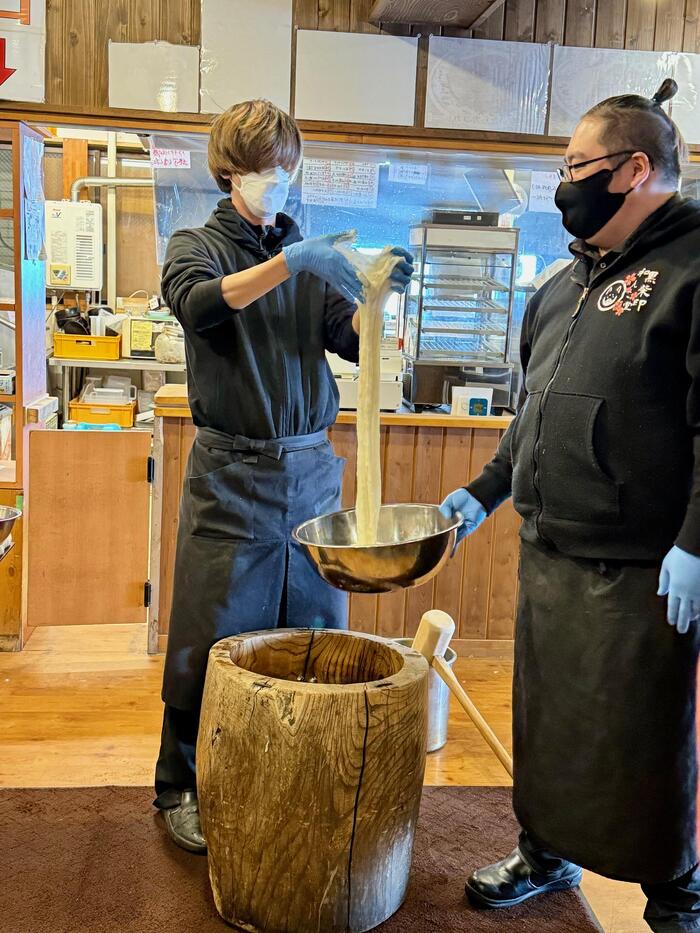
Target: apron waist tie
{"type": "Point", "coordinates": [274, 448]}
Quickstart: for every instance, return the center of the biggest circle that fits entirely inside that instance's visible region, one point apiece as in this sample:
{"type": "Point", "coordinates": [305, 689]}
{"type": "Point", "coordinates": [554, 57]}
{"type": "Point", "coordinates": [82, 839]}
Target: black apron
{"type": "Point", "coordinates": [604, 718]}
{"type": "Point", "coordinates": [237, 568]}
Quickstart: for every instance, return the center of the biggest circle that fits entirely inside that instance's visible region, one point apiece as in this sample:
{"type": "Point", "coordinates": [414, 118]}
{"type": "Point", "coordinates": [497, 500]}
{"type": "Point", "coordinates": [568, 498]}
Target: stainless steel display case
{"type": "Point", "coordinates": [457, 316]}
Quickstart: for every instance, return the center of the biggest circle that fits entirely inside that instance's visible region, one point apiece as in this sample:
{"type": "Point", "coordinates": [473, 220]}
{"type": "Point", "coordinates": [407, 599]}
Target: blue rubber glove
{"type": "Point", "coordinates": [403, 271]}
{"type": "Point", "coordinates": [680, 580]}
{"type": "Point", "coordinates": [470, 508]}
{"type": "Point", "coordinates": [319, 257]}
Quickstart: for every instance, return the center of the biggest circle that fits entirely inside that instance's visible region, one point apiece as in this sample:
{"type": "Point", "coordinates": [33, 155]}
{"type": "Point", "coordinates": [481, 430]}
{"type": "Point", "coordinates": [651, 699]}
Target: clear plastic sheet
{"type": "Point", "coordinates": [183, 197]}
{"type": "Point", "coordinates": [484, 85]}
{"type": "Point", "coordinates": [237, 36]}
{"type": "Point", "coordinates": [684, 106]}
{"type": "Point", "coordinates": [583, 77]}
{"type": "Point", "coordinates": [33, 175]}
{"type": "Point", "coordinates": [355, 77]}
{"type": "Point", "coordinates": [154, 76]}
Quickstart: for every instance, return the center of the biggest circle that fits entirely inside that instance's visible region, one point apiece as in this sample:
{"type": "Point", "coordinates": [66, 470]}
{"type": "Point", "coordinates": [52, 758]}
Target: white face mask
{"type": "Point", "coordinates": [265, 193]}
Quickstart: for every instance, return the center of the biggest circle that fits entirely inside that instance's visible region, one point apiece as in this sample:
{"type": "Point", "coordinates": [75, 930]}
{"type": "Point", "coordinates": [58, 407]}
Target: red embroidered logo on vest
{"type": "Point", "coordinates": [628, 294]}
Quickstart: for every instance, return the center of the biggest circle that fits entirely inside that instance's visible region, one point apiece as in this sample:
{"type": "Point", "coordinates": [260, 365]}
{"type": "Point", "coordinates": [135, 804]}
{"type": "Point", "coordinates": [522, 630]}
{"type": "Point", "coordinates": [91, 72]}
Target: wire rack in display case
{"type": "Point", "coordinates": [458, 312]}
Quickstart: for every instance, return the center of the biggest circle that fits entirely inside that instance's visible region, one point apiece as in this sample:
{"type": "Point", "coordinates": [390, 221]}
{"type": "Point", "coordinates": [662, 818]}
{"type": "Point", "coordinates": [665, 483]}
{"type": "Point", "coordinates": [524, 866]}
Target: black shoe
{"type": "Point", "coordinates": [513, 881]}
{"type": "Point", "coordinates": [182, 823]}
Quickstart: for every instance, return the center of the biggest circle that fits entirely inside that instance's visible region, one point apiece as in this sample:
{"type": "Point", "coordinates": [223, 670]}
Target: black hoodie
{"type": "Point", "coordinates": [603, 457]}
{"type": "Point", "coordinates": [260, 372]}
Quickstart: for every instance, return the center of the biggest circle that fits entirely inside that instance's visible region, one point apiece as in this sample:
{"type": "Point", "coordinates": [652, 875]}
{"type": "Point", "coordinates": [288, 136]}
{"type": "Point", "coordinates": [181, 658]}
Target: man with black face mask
{"type": "Point", "coordinates": [603, 463]}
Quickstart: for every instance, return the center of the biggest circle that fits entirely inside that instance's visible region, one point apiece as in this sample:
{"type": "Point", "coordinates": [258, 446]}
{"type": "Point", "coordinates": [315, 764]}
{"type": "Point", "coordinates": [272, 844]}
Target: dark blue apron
{"type": "Point", "coordinates": [237, 568]}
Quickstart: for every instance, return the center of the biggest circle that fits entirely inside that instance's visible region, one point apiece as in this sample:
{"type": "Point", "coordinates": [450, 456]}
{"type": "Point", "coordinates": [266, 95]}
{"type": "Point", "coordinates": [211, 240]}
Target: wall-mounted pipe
{"type": "Point", "coordinates": [100, 181]}
{"type": "Point", "coordinates": [111, 222]}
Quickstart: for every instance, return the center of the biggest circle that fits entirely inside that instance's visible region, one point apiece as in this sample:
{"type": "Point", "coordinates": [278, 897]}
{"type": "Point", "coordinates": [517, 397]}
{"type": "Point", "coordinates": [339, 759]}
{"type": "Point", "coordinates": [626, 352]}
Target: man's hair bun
{"type": "Point", "coordinates": [668, 89]}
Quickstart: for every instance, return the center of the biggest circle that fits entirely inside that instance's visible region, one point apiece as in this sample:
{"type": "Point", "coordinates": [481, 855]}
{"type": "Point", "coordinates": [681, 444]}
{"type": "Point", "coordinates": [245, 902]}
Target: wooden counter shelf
{"type": "Point", "coordinates": [424, 457]}
{"type": "Point", "coordinates": [171, 402]}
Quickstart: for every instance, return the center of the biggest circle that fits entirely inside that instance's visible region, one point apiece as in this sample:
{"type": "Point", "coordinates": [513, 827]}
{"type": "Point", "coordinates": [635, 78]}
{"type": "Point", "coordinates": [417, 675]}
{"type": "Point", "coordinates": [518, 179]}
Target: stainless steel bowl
{"type": "Point", "coordinates": [415, 541]}
{"type": "Point", "coordinates": [8, 517]}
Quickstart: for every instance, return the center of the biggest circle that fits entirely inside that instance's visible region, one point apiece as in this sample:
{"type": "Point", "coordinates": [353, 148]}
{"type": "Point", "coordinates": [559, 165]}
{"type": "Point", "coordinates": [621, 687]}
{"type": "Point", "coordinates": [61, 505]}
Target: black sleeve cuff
{"type": "Point", "coordinates": [689, 536]}
{"type": "Point", "coordinates": [491, 489]}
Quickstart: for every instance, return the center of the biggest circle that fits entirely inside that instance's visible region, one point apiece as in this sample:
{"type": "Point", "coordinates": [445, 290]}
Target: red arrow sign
{"type": "Point", "coordinates": [5, 72]}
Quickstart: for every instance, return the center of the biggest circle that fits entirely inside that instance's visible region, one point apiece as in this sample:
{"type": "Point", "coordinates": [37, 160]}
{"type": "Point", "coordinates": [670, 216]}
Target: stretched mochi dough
{"type": "Point", "coordinates": [374, 272]}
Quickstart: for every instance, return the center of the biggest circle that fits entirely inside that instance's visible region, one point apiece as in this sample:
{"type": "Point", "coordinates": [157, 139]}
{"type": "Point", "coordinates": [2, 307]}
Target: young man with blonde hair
{"type": "Point", "coordinates": [260, 307]}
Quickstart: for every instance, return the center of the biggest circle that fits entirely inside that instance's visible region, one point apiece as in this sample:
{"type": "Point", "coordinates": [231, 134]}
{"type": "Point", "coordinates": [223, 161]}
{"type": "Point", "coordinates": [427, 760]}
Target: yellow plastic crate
{"type": "Point", "coordinates": [79, 347]}
{"type": "Point", "coordinates": [122, 415]}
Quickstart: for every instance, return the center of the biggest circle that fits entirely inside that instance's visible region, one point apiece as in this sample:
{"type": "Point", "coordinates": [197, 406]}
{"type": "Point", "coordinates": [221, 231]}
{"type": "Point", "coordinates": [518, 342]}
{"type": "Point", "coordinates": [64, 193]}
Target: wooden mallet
{"type": "Point", "coordinates": [432, 638]}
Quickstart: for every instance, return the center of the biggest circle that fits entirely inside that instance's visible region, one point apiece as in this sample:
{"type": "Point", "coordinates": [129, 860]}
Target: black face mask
{"type": "Point", "coordinates": [587, 205]}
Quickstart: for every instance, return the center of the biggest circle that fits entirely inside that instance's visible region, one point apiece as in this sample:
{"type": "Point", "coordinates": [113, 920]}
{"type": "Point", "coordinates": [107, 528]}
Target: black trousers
{"type": "Point", "coordinates": [175, 768]}
{"type": "Point", "coordinates": [672, 907]}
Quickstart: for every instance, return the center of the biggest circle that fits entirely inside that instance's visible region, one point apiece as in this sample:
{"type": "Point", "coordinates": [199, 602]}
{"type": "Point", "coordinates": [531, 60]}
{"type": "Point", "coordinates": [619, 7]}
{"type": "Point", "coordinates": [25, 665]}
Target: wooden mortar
{"type": "Point", "coordinates": [309, 792]}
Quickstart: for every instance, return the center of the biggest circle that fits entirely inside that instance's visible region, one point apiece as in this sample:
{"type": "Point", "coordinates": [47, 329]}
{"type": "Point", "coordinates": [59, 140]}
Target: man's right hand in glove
{"type": "Point", "coordinates": [461, 502]}
{"type": "Point", "coordinates": [320, 257]}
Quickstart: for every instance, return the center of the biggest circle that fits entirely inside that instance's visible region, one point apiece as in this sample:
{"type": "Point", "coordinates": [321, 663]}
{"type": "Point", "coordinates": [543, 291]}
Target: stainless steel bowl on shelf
{"type": "Point", "coordinates": [414, 543]}
{"type": "Point", "coordinates": [8, 517]}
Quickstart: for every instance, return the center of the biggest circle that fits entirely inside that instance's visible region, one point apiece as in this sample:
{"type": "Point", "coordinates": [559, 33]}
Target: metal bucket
{"type": "Point", "coordinates": [438, 701]}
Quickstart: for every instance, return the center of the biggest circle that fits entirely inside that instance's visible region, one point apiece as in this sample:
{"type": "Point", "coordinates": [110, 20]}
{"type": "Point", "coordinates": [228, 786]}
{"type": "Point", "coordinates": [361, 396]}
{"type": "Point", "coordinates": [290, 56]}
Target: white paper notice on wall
{"type": "Point", "coordinates": [339, 183]}
{"type": "Point", "coordinates": [355, 78]}
{"type": "Point", "coordinates": [408, 173]}
{"type": "Point", "coordinates": [170, 158]}
{"type": "Point", "coordinates": [246, 52]}
{"type": "Point", "coordinates": [543, 186]}
{"type": "Point", "coordinates": [480, 84]}
{"type": "Point", "coordinates": [22, 44]}
{"type": "Point", "coordinates": [583, 77]}
{"type": "Point", "coordinates": [154, 76]}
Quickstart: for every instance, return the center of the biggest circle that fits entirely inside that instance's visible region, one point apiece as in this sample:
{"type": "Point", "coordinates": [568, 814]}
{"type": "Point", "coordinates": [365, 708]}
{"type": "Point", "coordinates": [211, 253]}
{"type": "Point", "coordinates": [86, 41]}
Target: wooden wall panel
{"type": "Point", "coordinates": [580, 22]}
{"type": "Point", "coordinates": [494, 26]}
{"type": "Point", "coordinates": [397, 483]}
{"type": "Point", "coordinates": [520, 20]}
{"type": "Point", "coordinates": [144, 20]}
{"type": "Point", "coordinates": [549, 23]}
{"type": "Point", "coordinates": [610, 24]}
{"type": "Point", "coordinates": [477, 554]}
{"type": "Point", "coordinates": [427, 469]}
{"type": "Point", "coordinates": [359, 11]}
{"type": "Point", "coordinates": [75, 165]}
{"type": "Point", "coordinates": [78, 41]}
{"type": "Point", "coordinates": [334, 14]}
{"type": "Point", "coordinates": [181, 22]}
{"type": "Point", "coordinates": [455, 468]}
{"type": "Point", "coordinates": [641, 24]}
{"type": "Point", "coordinates": [55, 53]}
{"type": "Point", "coordinates": [112, 22]}
{"type": "Point", "coordinates": [691, 30]}
{"type": "Point", "coordinates": [306, 14]}
{"type": "Point", "coordinates": [669, 28]}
